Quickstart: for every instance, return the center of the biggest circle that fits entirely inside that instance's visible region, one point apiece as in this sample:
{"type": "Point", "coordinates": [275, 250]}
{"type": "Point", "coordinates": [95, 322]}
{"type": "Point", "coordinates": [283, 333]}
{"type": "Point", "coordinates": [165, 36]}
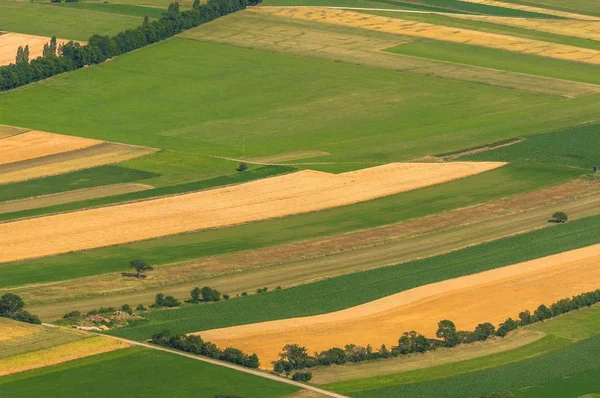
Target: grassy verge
{"type": "Point", "coordinates": [503, 182]}
{"type": "Point", "coordinates": [142, 372]}
{"type": "Point", "coordinates": [499, 59]}
{"type": "Point", "coordinates": [354, 289]}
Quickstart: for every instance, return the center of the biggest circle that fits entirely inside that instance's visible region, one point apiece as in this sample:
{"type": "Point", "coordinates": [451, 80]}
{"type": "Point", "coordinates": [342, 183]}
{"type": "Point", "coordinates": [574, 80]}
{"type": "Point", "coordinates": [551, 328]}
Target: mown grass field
{"type": "Point", "coordinates": [589, 7]}
{"type": "Point", "coordinates": [142, 372]}
{"type": "Point", "coordinates": [499, 59]}
{"type": "Point", "coordinates": [63, 22]}
{"type": "Point", "coordinates": [121, 8]}
{"type": "Point", "coordinates": [560, 359]}
{"type": "Point", "coordinates": [350, 290]}
{"type": "Point", "coordinates": [506, 181]}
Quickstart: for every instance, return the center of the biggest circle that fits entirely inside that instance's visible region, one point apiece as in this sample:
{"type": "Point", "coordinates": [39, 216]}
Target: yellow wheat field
{"type": "Point", "coordinates": [437, 32]}
{"type": "Point", "coordinates": [466, 300]}
{"type": "Point", "coordinates": [10, 42]}
{"type": "Point", "coordinates": [300, 192]}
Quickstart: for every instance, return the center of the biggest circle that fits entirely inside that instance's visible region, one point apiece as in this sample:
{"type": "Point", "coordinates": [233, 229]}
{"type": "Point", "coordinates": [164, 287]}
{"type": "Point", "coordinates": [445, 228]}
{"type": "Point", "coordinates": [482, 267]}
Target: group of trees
{"type": "Point", "coordinates": [196, 345]}
{"type": "Point", "coordinates": [11, 306]}
{"type": "Point", "coordinates": [73, 55]}
{"type": "Point", "coordinates": [205, 294]}
{"type": "Point", "coordinates": [294, 357]}
{"type": "Point", "coordinates": [165, 301]}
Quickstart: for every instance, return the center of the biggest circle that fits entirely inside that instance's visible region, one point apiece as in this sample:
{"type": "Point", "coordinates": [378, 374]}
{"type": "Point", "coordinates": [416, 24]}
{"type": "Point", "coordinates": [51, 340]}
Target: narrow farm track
{"type": "Point", "coordinates": [300, 271]}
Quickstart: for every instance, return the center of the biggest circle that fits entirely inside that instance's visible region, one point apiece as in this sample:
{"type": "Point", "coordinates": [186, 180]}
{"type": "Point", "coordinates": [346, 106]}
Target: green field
{"type": "Point", "coordinates": [575, 146]}
{"type": "Point", "coordinates": [139, 372]}
{"type": "Point", "coordinates": [62, 22]}
{"type": "Point", "coordinates": [118, 8]}
{"type": "Point", "coordinates": [505, 181]}
{"type": "Point", "coordinates": [95, 177]}
{"type": "Point", "coordinates": [500, 59]}
{"type": "Point", "coordinates": [589, 7]}
{"type": "Point", "coordinates": [562, 364]}
{"type": "Point", "coordinates": [354, 289]}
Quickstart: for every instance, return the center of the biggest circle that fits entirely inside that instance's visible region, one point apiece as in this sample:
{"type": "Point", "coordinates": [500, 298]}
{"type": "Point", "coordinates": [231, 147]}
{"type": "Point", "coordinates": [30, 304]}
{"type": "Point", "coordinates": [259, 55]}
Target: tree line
{"type": "Point", "coordinates": [196, 345]}
{"type": "Point", "coordinates": [72, 55]}
{"type": "Point", "coordinates": [294, 357]}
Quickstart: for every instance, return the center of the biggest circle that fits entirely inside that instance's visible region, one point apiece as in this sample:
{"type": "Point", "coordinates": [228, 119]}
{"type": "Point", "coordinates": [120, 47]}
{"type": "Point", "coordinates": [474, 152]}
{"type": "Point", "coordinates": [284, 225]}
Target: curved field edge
{"type": "Point", "coordinates": [506, 181]}
{"type": "Point", "coordinates": [164, 374]}
{"type": "Point", "coordinates": [358, 288]}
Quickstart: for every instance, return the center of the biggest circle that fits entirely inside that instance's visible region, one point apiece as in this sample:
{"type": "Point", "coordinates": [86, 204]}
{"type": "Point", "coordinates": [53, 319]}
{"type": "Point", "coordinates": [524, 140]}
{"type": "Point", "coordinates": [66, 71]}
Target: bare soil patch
{"type": "Point", "coordinates": [71, 196]}
{"type": "Point", "coordinates": [281, 196]}
{"type": "Point", "coordinates": [34, 144]}
{"type": "Point", "coordinates": [456, 35]}
{"type": "Point", "coordinates": [10, 42]}
{"type": "Point", "coordinates": [467, 301]}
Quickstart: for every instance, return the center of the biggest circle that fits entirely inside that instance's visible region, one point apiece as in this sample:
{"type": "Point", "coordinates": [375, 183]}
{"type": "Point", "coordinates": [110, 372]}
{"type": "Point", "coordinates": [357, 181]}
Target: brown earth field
{"type": "Point", "coordinates": [456, 35]}
{"type": "Point", "coordinates": [10, 42]}
{"type": "Point", "coordinates": [548, 11]}
{"type": "Point", "coordinates": [467, 301]}
{"type": "Point", "coordinates": [361, 46]}
{"type": "Point", "coordinates": [35, 144]}
{"type": "Point", "coordinates": [301, 192]}
{"type": "Point", "coordinates": [71, 196]}
{"type": "Point", "coordinates": [306, 261]}
{"type": "Point", "coordinates": [97, 155]}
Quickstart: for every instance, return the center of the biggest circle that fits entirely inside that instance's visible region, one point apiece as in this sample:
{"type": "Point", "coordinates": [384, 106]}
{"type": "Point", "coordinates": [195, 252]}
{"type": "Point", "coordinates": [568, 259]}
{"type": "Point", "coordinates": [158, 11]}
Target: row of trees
{"type": "Point", "coordinates": [294, 357]}
{"type": "Point", "coordinates": [196, 345]}
{"type": "Point", "coordinates": [11, 306]}
{"type": "Point", "coordinates": [73, 55]}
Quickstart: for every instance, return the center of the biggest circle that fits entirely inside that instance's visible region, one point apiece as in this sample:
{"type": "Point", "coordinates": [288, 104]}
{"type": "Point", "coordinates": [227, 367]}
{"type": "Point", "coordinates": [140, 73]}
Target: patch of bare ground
{"type": "Point", "coordinates": [353, 45]}
{"type": "Point", "coordinates": [296, 193]}
{"type": "Point", "coordinates": [467, 301]}
{"type": "Point", "coordinates": [305, 261]}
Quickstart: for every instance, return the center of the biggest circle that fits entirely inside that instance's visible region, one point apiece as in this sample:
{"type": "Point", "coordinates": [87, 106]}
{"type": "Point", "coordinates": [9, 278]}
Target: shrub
{"type": "Point", "coordinates": [71, 314]}
{"type": "Point", "coordinates": [244, 294]}
{"type": "Point", "coordinates": [242, 167]}
{"type": "Point", "coordinates": [166, 301]}
{"type": "Point", "coordinates": [302, 376]}
{"type": "Point", "coordinates": [26, 316]}
{"type": "Point", "coordinates": [507, 326]}
{"type": "Point", "coordinates": [10, 304]}
{"type": "Point", "coordinates": [127, 308]}
{"type": "Point", "coordinates": [483, 331]}
{"type": "Point", "coordinates": [140, 307]}
{"type": "Point", "coordinates": [447, 331]}
{"type": "Point", "coordinates": [226, 296]}
{"type": "Point", "coordinates": [412, 342]}
{"type": "Point", "coordinates": [560, 217]}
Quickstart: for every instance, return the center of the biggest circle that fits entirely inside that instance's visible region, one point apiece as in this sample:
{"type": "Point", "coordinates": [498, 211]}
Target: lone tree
{"type": "Point", "coordinates": [140, 266]}
{"type": "Point", "coordinates": [10, 305]}
{"type": "Point", "coordinates": [559, 216]}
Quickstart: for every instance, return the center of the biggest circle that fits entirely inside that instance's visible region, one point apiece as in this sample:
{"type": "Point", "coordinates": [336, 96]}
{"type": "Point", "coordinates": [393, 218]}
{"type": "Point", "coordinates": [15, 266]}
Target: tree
{"type": "Point", "coordinates": [332, 356]}
{"type": "Point", "coordinates": [293, 357]}
{"type": "Point", "coordinates": [127, 308]}
{"type": "Point", "coordinates": [10, 304]}
{"type": "Point", "coordinates": [411, 342]}
{"type": "Point", "coordinates": [209, 294]}
{"type": "Point", "coordinates": [196, 4]}
{"type": "Point", "coordinates": [507, 326]}
{"type": "Point", "coordinates": [166, 301]}
{"type": "Point", "coordinates": [447, 331]}
{"type": "Point", "coordinates": [525, 318]}
{"type": "Point", "coordinates": [242, 167]}
{"type": "Point", "coordinates": [302, 376]}
{"type": "Point", "coordinates": [195, 294]}
{"type": "Point", "coordinates": [542, 312]}
{"type": "Point", "coordinates": [560, 217]}
{"type": "Point", "coordinates": [140, 266]}
{"type": "Point", "coordinates": [483, 331]}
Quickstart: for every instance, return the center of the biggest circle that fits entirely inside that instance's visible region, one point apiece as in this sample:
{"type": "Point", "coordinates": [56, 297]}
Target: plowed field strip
{"type": "Point", "coordinates": [71, 196]}
{"type": "Point", "coordinates": [467, 301]}
{"type": "Point", "coordinates": [97, 155]}
{"type": "Point", "coordinates": [300, 192]}
{"type": "Point", "coordinates": [35, 144]}
{"type": "Point", "coordinates": [437, 32]}
{"type": "Point", "coordinates": [10, 42]}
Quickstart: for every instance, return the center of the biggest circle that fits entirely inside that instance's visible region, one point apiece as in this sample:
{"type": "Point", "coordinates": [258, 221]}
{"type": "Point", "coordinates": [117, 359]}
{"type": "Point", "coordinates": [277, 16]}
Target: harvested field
{"type": "Point", "coordinates": [583, 29]}
{"type": "Point", "coordinates": [466, 300]}
{"type": "Point", "coordinates": [62, 353]}
{"type": "Point", "coordinates": [457, 35]}
{"type": "Point", "coordinates": [71, 196]}
{"type": "Point", "coordinates": [10, 42]}
{"type": "Point", "coordinates": [286, 157]}
{"type": "Point", "coordinates": [97, 155]}
{"type": "Point", "coordinates": [354, 45]}
{"type": "Point", "coordinates": [301, 192]}
{"type": "Point", "coordinates": [8, 131]}
{"type": "Point", "coordinates": [35, 144]}
{"type": "Point", "coordinates": [548, 11]}
{"type": "Point", "coordinates": [441, 356]}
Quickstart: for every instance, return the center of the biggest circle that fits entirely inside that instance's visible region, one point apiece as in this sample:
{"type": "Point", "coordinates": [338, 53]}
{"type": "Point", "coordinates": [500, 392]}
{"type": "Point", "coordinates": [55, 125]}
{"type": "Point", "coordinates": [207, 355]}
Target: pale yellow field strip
{"type": "Point", "coordinates": [286, 157]}
{"type": "Point", "coordinates": [93, 156]}
{"type": "Point", "coordinates": [8, 131]}
{"type": "Point", "coordinates": [583, 29]}
{"type": "Point", "coordinates": [361, 46]}
{"type": "Point", "coordinates": [438, 32]}
{"type": "Point", "coordinates": [300, 192]}
{"type": "Point", "coordinates": [441, 356]}
{"type": "Point", "coordinates": [467, 301]}
{"type": "Point", "coordinates": [71, 196]}
{"type": "Point", "coordinates": [540, 10]}
{"type": "Point", "coordinates": [10, 42]}
{"type": "Point", "coordinates": [34, 144]}
{"type": "Point", "coordinates": [59, 354]}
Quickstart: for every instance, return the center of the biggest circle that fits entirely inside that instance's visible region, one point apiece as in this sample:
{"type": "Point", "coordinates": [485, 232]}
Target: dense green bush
{"type": "Point", "coordinates": [11, 306]}
{"type": "Point", "coordinates": [302, 376]}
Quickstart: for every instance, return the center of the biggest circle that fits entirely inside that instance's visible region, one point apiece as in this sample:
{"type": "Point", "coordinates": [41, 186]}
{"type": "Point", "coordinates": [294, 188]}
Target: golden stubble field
{"type": "Point", "coordinates": [10, 42]}
{"type": "Point", "coordinates": [490, 296]}
{"type": "Point", "coordinates": [455, 35]}
{"type": "Point", "coordinates": [301, 192]}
